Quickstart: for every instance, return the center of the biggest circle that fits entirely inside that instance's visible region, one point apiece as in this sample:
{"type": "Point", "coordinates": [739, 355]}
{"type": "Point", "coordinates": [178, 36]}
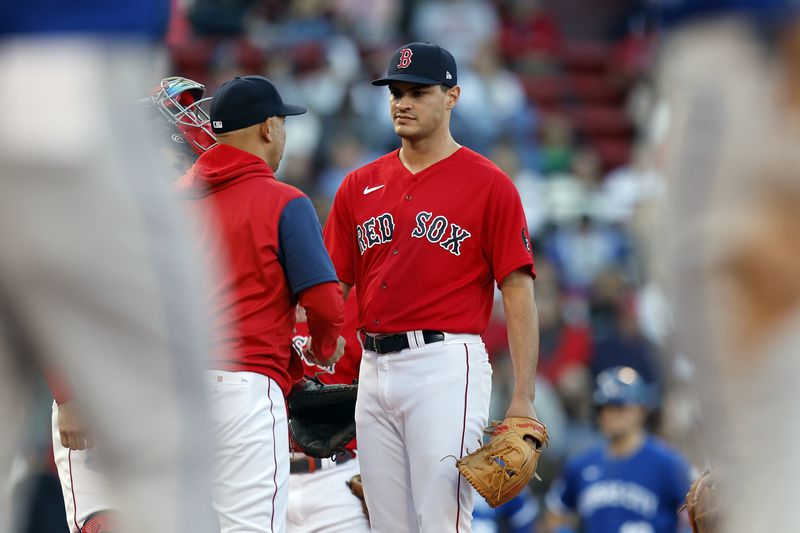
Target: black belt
{"type": "Point", "coordinates": [305, 464]}
{"type": "Point", "coordinates": [384, 344]}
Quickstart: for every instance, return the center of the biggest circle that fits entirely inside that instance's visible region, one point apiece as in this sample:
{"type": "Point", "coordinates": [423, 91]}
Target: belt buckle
{"type": "Point", "coordinates": [376, 340]}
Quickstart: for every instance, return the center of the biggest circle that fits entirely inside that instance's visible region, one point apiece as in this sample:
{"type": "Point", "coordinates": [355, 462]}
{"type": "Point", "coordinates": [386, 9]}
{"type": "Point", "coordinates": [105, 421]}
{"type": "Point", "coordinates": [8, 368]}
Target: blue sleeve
{"type": "Point", "coordinates": [679, 480]}
{"type": "Point", "coordinates": [569, 493]}
{"type": "Point", "coordinates": [521, 512]}
{"type": "Point", "coordinates": [562, 497]}
{"type": "Point", "coordinates": [513, 505]}
{"type": "Point", "coordinates": [300, 247]}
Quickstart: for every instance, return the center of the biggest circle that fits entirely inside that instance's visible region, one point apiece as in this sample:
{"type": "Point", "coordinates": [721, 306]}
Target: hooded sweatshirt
{"type": "Point", "coordinates": [262, 240]}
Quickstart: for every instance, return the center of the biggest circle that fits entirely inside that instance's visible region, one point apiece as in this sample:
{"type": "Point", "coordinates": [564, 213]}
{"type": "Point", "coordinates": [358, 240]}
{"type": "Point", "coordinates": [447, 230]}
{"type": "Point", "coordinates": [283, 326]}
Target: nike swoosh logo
{"type": "Point", "coordinates": [368, 190]}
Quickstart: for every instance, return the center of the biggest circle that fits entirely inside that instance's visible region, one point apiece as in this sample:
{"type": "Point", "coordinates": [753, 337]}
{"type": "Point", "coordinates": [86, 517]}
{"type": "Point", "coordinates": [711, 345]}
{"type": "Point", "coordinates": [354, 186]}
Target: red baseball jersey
{"type": "Point", "coordinates": [425, 249]}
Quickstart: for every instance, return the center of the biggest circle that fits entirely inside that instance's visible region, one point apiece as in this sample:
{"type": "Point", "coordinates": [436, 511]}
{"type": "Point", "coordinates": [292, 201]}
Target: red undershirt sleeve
{"type": "Point", "coordinates": [325, 313]}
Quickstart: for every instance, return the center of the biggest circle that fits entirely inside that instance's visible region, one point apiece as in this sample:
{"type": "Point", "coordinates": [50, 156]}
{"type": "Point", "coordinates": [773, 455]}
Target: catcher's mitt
{"type": "Point", "coordinates": [701, 504]}
{"type": "Point", "coordinates": [322, 417]}
{"type": "Point", "coordinates": [357, 488]}
{"type": "Point", "coordinates": [500, 469]}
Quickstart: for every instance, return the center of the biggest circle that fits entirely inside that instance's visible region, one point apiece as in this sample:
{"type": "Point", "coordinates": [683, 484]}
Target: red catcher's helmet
{"type": "Point", "coordinates": [179, 100]}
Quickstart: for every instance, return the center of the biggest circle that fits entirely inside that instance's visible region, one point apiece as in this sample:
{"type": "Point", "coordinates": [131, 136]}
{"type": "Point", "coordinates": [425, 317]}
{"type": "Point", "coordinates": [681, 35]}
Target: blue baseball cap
{"type": "Point", "coordinates": [247, 100]}
{"type": "Point", "coordinates": [622, 385]}
{"type": "Point", "coordinates": [423, 63]}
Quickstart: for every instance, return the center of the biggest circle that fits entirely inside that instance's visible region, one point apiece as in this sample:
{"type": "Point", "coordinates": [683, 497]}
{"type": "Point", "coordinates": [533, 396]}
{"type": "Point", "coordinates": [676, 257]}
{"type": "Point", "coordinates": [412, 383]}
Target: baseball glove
{"type": "Point", "coordinates": [322, 417]}
{"type": "Point", "coordinates": [500, 469]}
{"type": "Point", "coordinates": [357, 488]}
{"type": "Point", "coordinates": [701, 504]}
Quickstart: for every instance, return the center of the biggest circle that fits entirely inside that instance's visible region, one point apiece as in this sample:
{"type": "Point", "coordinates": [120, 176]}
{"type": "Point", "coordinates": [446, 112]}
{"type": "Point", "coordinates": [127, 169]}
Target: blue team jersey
{"type": "Point", "coordinates": [138, 19]}
{"type": "Point", "coordinates": [519, 514]}
{"type": "Point", "coordinates": [637, 494]}
{"type": "Point", "coordinates": [767, 11]}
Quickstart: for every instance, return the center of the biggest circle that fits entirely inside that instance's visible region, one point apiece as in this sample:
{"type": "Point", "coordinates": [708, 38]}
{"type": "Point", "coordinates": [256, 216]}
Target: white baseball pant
{"type": "Point", "coordinates": [418, 410]}
{"type": "Point", "coordinates": [251, 459]}
{"type": "Point", "coordinates": [85, 488]}
{"type": "Point", "coordinates": [321, 501]}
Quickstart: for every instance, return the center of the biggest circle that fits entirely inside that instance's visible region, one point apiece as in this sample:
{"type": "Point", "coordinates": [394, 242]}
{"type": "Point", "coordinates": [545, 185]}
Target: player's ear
{"type": "Point", "coordinates": [452, 96]}
{"type": "Point", "coordinates": [265, 128]}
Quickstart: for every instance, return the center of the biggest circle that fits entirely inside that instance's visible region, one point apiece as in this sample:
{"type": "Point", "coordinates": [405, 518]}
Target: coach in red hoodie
{"type": "Point", "coordinates": [264, 238]}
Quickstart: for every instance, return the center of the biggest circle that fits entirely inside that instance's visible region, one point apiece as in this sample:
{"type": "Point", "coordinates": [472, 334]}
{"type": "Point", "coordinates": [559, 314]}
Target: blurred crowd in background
{"type": "Point", "coordinates": [556, 92]}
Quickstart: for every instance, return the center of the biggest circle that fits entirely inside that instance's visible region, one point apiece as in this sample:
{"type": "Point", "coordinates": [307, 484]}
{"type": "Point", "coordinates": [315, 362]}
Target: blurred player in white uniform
{"type": "Point", "coordinates": [96, 280]}
{"type": "Point", "coordinates": [182, 126]}
{"type": "Point", "coordinates": [730, 237]}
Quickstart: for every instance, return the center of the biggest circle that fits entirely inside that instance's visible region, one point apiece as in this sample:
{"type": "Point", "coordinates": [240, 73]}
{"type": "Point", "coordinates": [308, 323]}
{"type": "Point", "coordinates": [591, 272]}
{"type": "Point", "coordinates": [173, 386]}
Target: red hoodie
{"type": "Point", "coordinates": [263, 240]}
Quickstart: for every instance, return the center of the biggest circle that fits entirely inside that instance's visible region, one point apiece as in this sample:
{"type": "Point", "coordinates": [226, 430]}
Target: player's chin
{"type": "Point", "coordinates": [407, 132]}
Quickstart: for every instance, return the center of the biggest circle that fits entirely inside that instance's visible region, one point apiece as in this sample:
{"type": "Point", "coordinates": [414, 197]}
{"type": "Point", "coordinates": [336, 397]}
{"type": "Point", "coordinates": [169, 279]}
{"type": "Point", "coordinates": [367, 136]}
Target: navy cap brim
{"type": "Point", "coordinates": [288, 110]}
{"type": "Point", "coordinates": [406, 77]}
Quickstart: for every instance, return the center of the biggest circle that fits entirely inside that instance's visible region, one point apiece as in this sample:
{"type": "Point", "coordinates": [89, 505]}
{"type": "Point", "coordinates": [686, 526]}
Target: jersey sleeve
{"type": "Point", "coordinates": [678, 478]}
{"type": "Point", "coordinates": [508, 243]}
{"type": "Point", "coordinates": [562, 498]}
{"type": "Point", "coordinates": [521, 512]}
{"type": "Point", "coordinates": [301, 250]}
{"type": "Point", "coordinates": [339, 235]}
{"type": "Point", "coordinates": [325, 313]}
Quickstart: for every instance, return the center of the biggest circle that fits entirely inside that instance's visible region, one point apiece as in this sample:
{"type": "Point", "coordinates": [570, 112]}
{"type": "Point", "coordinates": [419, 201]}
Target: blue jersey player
{"type": "Point", "coordinates": [632, 482]}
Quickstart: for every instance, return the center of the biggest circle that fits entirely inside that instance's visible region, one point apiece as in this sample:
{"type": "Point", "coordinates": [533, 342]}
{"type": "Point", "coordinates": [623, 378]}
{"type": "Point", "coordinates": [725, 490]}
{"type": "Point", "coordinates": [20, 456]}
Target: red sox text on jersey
{"type": "Point", "coordinates": [380, 230]}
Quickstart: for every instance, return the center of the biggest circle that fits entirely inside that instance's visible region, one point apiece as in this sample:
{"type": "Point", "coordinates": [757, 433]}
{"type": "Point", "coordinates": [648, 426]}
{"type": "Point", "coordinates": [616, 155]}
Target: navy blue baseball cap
{"type": "Point", "coordinates": [247, 100]}
{"type": "Point", "coordinates": [423, 63]}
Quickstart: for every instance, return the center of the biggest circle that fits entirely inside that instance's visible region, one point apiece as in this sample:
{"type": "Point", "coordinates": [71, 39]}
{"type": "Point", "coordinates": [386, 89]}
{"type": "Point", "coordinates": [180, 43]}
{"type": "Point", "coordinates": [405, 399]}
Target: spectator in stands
{"type": "Point", "coordinates": [463, 27]}
{"type": "Point", "coordinates": [615, 327]}
{"type": "Point", "coordinates": [557, 144]}
{"type": "Point", "coordinates": [494, 104]}
{"type": "Point", "coordinates": [563, 345]}
{"type": "Point", "coordinates": [583, 249]}
{"type": "Point", "coordinates": [529, 37]}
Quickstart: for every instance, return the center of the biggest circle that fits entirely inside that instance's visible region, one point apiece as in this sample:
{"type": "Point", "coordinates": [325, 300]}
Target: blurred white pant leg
{"type": "Point", "coordinates": [732, 152]}
{"type": "Point", "coordinates": [96, 266]}
{"type": "Point", "coordinates": [14, 399]}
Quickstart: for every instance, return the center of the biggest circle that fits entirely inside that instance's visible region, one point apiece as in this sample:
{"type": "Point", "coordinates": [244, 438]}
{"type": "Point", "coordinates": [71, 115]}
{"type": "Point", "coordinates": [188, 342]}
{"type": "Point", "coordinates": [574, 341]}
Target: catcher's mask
{"type": "Point", "coordinates": [622, 385]}
{"type": "Point", "coordinates": [179, 100]}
